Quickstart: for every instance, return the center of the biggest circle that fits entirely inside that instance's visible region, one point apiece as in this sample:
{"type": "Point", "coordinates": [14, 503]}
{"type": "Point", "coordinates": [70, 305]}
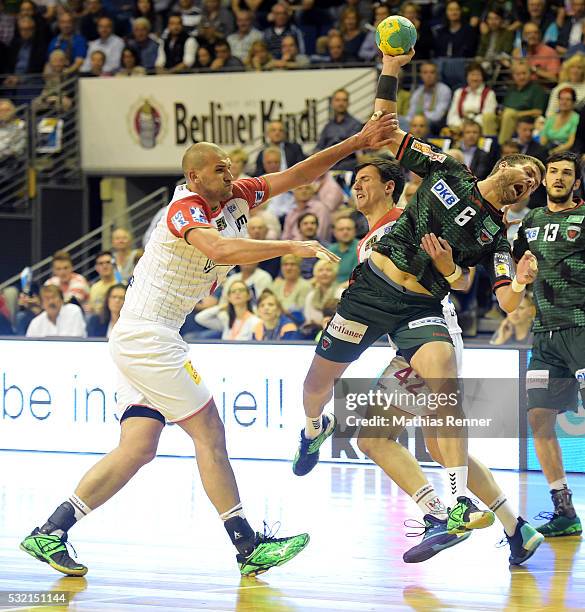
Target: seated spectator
{"type": "Point", "coordinates": [125, 257]}
{"type": "Point", "coordinates": [280, 27]}
{"type": "Point", "coordinates": [176, 52]}
{"type": "Point", "coordinates": [29, 306]}
{"type": "Point", "coordinates": [542, 17]}
{"type": "Point", "coordinates": [329, 310]}
{"type": "Point", "coordinates": [100, 324]}
{"type": "Point", "coordinates": [341, 126]}
{"type": "Point", "coordinates": [27, 53]}
{"type": "Point", "coordinates": [572, 75]}
{"type": "Point", "coordinates": [143, 43]}
{"type": "Point", "coordinates": [94, 11]}
{"type": "Point", "coordinates": [351, 31]}
{"type": "Point", "coordinates": [256, 279]}
{"type": "Point", "coordinates": [431, 99]}
{"type": "Point", "coordinates": [334, 51]}
{"type": "Point", "coordinates": [510, 14]}
{"type": "Point", "coordinates": [190, 14]}
{"type": "Point", "coordinates": [414, 181]}
{"type": "Point", "coordinates": [345, 246]}
{"type": "Point", "coordinates": [57, 318]}
{"type": "Point", "coordinates": [73, 45]}
{"type": "Point", "coordinates": [7, 23]}
{"type": "Point", "coordinates": [290, 288]}
{"type": "Point", "coordinates": [241, 40]}
{"type": "Point", "coordinates": [145, 8]}
{"type": "Point", "coordinates": [224, 58]}
{"type": "Point", "coordinates": [72, 285]}
{"type": "Point", "coordinates": [475, 101]}
{"type": "Point", "coordinates": [571, 31]}
{"type": "Point", "coordinates": [475, 159]}
{"type": "Point", "coordinates": [578, 49]}
{"type": "Point", "coordinates": [496, 39]}
{"type": "Point", "coordinates": [455, 38]}
{"type": "Point", "coordinates": [97, 61]}
{"type": "Point", "coordinates": [325, 288]}
{"type": "Point", "coordinates": [329, 191]}
{"type": "Point", "coordinates": [424, 34]}
{"type": "Point", "coordinates": [369, 51]}
{"type": "Point", "coordinates": [43, 31]}
{"type": "Point", "coordinates": [419, 127]}
{"type": "Point", "coordinates": [282, 204]}
{"type": "Point", "coordinates": [203, 58]}
{"type": "Point", "coordinates": [104, 266]}
{"type": "Point", "coordinates": [510, 147]}
{"type": "Point", "coordinates": [305, 201]}
{"type": "Point", "coordinates": [54, 95]}
{"type": "Point", "coordinates": [216, 19]}
{"type": "Point", "coordinates": [516, 328]}
{"type": "Point", "coordinates": [524, 137]}
{"type": "Point", "coordinates": [290, 56]}
{"type": "Point", "coordinates": [109, 44]}
{"type": "Point", "coordinates": [274, 323]}
{"type": "Point", "coordinates": [544, 61]}
{"type": "Point", "coordinates": [130, 64]}
{"type": "Point", "coordinates": [308, 226]}
{"type": "Point", "coordinates": [235, 319]}
{"type": "Point", "coordinates": [291, 152]}
{"type": "Point", "coordinates": [524, 98]}
{"type": "Point", "coordinates": [12, 143]}
{"type": "Point", "coordinates": [239, 159]}
{"type": "Point", "coordinates": [558, 133]}
{"type": "Point", "coordinates": [259, 57]}
{"type": "Point", "coordinates": [261, 229]}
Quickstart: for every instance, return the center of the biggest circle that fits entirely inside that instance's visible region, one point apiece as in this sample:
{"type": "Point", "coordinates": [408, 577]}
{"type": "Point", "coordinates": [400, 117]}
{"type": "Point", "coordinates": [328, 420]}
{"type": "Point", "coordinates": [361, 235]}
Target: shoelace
{"type": "Point", "coordinates": [545, 516]}
{"type": "Point", "coordinates": [270, 532]}
{"type": "Point", "coordinates": [416, 524]}
{"type": "Point", "coordinates": [68, 546]}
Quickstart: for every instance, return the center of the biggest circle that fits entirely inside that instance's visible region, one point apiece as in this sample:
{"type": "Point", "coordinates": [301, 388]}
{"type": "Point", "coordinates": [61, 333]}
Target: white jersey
{"type": "Point", "coordinates": [172, 276]}
{"type": "Point", "coordinates": [383, 227]}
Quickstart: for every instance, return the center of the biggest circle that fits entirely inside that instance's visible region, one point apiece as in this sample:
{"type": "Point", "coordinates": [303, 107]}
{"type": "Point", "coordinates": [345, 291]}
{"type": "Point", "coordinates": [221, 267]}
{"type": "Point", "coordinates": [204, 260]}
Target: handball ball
{"type": "Point", "coordinates": [395, 35]}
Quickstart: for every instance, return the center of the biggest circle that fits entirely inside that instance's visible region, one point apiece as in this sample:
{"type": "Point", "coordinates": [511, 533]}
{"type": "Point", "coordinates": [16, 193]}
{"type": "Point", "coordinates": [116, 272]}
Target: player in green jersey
{"type": "Point", "coordinates": [398, 291]}
{"type": "Point", "coordinates": [555, 234]}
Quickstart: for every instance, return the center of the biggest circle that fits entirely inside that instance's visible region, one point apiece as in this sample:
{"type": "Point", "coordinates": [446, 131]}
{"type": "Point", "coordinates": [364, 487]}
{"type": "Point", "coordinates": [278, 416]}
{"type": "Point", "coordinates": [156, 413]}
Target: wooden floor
{"type": "Point", "coordinates": [158, 545]}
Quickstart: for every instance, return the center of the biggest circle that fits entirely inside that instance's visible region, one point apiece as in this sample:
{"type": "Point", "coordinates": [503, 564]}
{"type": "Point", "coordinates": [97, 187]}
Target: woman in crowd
{"type": "Point", "coordinates": [258, 56]}
{"type": "Point", "coordinates": [100, 325]}
{"type": "Point", "coordinates": [325, 288]}
{"type": "Point", "coordinates": [239, 159]}
{"type": "Point", "coordinates": [516, 327]}
{"type": "Point", "coordinates": [130, 64]}
{"type": "Point", "coordinates": [353, 35]}
{"type": "Point", "coordinates": [203, 58]}
{"type": "Point", "coordinates": [290, 289]}
{"type": "Point", "coordinates": [274, 323]}
{"type": "Point", "coordinates": [558, 133]}
{"type": "Point", "coordinates": [124, 255]}
{"type": "Point", "coordinates": [235, 319]}
{"type": "Point", "coordinates": [572, 75]}
{"type": "Point", "coordinates": [145, 8]}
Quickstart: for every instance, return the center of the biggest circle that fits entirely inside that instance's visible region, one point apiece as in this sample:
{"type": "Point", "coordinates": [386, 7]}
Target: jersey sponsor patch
{"type": "Point", "coordinates": [502, 265]}
{"type": "Point", "coordinates": [192, 372]}
{"type": "Point", "coordinates": [348, 331]}
{"type": "Point", "coordinates": [427, 150]}
{"type": "Point", "coordinates": [231, 208]}
{"type": "Point", "coordinates": [575, 218]}
{"type": "Point", "coordinates": [444, 193]}
{"type": "Point", "coordinates": [537, 379]}
{"type": "Point", "coordinates": [197, 215]}
{"type": "Point", "coordinates": [573, 232]}
{"type": "Point", "coordinates": [532, 233]}
{"type": "Point", "coordinates": [258, 197]}
{"type": "Point", "coordinates": [580, 376]}
{"type": "Point", "coordinates": [179, 221]}
{"type": "Point", "coordinates": [427, 321]}
{"type": "Point", "coordinates": [220, 223]}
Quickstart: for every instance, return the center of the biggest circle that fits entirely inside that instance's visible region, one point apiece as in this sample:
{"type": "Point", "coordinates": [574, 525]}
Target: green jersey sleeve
{"type": "Point", "coordinates": [423, 158]}
{"type": "Point", "coordinates": [499, 264]}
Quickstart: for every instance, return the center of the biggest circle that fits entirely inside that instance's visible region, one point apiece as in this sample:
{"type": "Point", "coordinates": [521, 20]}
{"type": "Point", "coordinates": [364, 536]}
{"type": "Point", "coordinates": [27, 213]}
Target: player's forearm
{"type": "Point", "coordinates": [389, 69]}
{"type": "Point", "coordinates": [463, 283]}
{"type": "Point", "coordinates": [508, 299]}
{"type": "Point", "coordinates": [245, 251]}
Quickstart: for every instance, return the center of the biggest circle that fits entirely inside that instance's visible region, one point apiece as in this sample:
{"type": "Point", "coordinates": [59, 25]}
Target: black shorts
{"type": "Point", "coordinates": [373, 306]}
{"type": "Point", "coordinates": [556, 372]}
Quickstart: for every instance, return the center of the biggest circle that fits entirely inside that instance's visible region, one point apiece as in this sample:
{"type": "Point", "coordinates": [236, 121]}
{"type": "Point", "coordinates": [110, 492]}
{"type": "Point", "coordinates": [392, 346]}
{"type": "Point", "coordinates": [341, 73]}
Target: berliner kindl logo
{"type": "Point", "coordinates": [146, 123]}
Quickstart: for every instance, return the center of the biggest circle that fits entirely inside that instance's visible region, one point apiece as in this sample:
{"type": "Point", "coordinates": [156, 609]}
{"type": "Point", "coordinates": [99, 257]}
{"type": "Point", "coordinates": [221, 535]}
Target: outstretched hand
{"type": "Point", "coordinates": [395, 62]}
{"type": "Point", "coordinates": [312, 248]}
{"type": "Point", "coordinates": [379, 131]}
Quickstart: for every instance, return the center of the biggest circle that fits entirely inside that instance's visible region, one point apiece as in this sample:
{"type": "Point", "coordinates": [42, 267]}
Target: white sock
{"type": "Point", "coordinates": [457, 482]}
{"type": "Point", "coordinates": [559, 485]}
{"type": "Point", "coordinates": [233, 512]}
{"type": "Point", "coordinates": [428, 501]}
{"type": "Point", "coordinates": [80, 508]}
{"type": "Point", "coordinates": [502, 510]}
{"type": "Point", "coordinates": [313, 427]}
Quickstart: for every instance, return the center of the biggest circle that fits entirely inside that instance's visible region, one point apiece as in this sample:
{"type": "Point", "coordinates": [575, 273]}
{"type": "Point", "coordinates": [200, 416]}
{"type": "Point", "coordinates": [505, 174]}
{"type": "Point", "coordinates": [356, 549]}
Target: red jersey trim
{"type": "Point", "coordinates": [501, 283]}
{"type": "Point", "coordinates": [403, 146]}
{"type": "Point", "coordinates": [180, 219]}
{"type": "Point", "coordinates": [392, 215]}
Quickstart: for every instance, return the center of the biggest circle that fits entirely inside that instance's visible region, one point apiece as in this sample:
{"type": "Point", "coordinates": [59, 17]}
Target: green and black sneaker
{"type": "Point", "coordinates": [563, 521]}
{"type": "Point", "coordinates": [52, 549]}
{"type": "Point", "coordinates": [270, 552]}
{"type": "Point", "coordinates": [307, 455]}
{"type": "Point", "coordinates": [465, 516]}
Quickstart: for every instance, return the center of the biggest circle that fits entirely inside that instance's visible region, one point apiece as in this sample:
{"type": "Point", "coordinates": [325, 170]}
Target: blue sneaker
{"type": "Point", "coordinates": [436, 538]}
{"type": "Point", "coordinates": [524, 542]}
{"type": "Point", "coordinates": [307, 455]}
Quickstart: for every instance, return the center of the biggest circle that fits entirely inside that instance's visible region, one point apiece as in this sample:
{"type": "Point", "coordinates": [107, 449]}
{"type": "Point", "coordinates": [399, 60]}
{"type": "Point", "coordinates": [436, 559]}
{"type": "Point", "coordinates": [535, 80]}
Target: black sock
{"type": "Point", "coordinates": [563, 503]}
{"type": "Point", "coordinates": [61, 520]}
{"type": "Point", "coordinates": [241, 534]}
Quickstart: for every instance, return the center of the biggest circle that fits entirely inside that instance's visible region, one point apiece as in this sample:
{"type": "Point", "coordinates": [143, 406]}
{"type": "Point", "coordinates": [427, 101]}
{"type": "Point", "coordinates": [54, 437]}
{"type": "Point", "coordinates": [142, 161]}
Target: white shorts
{"type": "Point", "coordinates": [155, 370]}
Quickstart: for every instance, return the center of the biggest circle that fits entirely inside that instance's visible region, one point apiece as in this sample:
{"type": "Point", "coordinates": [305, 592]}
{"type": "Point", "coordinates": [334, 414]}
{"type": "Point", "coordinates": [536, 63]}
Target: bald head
{"type": "Point", "coordinates": [257, 228]}
{"type": "Point", "coordinates": [201, 154]}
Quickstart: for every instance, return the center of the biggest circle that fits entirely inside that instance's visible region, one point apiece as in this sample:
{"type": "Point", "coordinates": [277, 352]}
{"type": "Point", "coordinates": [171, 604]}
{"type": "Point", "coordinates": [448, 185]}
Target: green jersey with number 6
{"type": "Point", "coordinates": [557, 240]}
{"type": "Point", "coordinates": [448, 204]}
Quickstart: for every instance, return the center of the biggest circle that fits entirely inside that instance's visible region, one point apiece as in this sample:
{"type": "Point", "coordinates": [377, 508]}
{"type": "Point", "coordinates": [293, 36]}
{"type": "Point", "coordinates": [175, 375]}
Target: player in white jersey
{"type": "Point", "coordinates": [199, 238]}
{"type": "Point", "coordinates": [378, 183]}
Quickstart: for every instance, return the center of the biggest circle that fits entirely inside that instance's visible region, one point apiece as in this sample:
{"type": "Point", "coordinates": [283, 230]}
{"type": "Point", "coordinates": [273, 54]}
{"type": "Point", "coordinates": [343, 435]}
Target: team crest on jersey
{"type": "Point", "coordinates": [325, 343]}
{"type": "Point", "coordinates": [388, 229]}
{"type": "Point", "coordinates": [444, 193]}
{"type": "Point", "coordinates": [532, 233]}
{"type": "Point", "coordinates": [427, 150]}
{"type": "Point", "coordinates": [484, 236]}
{"type": "Point", "coordinates": [231, 208]}
{"type": "Point", "coordinates": [179, 221]}
{"type": "Point", "coordinates": [197, 215]}
{"type": "Point", "coordinates": [573, 232]}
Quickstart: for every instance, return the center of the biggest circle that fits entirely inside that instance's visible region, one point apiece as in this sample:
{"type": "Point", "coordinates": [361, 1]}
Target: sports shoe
{"type": "Point", "coordinates": [436, 538]}
{"type": "Point", "coordinates": [270, 552]}
{"type": "Point", "coordinates": [524, 542]}
{"type": "Point", "coordinates": [465, 515]}
{"type": "Point", "coordinates": [307, 455]}
{"type": "Point", "coordinates": [558, 525]}
{"type": "Point", "coordinates": [52, 549]}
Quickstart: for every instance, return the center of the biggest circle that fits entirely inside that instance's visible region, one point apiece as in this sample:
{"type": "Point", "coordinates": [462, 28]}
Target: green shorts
{"type": "Point", "coordinates": [373, 306]}
{"type": "Point", "coordinates": [556, 372]}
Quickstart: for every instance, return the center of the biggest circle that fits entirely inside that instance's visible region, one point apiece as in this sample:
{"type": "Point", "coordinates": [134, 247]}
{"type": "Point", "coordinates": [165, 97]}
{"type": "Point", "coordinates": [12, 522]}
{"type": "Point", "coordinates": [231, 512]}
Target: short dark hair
{"type": "Point", "coordinates": [222, 43]}
{"type": "Point", "coordinates": [566, 156]}
{"type": "Point", "coordinates": [104, 254]}
{"type": "Point", "coordinates": [106, 314]}
{"type": "Point", "coordinates": [511, 143]}
{"type": "Point", "coordinates": [54, 289]}
{"type": "Point", "coordinates": [389, 170]}
{"type": "Point", "coordinates": [304, 216]}
{"type": "Point", "coordinates": [519, 158]}
{"type": "Point", "coordinates": [525, 119]}
{"type": "Point", "coordinates": [474, 66]}
{"type": "Point", "coordinates": [62, 256]}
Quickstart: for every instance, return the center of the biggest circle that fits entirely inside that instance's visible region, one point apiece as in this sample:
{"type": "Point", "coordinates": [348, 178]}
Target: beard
{"type": "Point", "coordinates": [562, 197]}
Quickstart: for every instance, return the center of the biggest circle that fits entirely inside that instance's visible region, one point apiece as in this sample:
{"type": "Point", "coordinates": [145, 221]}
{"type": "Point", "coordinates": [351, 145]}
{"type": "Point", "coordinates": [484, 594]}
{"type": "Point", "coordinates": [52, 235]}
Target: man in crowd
{"type": "Point", "coordinates": [57, 318]}
{"type": "Point", "coordinates": [73, 286]}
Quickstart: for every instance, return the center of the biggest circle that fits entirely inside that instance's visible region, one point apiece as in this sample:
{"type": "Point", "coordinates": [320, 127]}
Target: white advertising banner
{"type": "Point", "coordinates": [144, 124]}
{"type": "Point", "coordinates": [60, 396]}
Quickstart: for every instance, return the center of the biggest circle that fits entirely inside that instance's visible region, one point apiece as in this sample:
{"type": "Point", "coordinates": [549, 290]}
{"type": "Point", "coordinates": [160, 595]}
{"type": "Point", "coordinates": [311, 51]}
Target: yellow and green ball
{"type": "Point", "coordinates": [395, 35]}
